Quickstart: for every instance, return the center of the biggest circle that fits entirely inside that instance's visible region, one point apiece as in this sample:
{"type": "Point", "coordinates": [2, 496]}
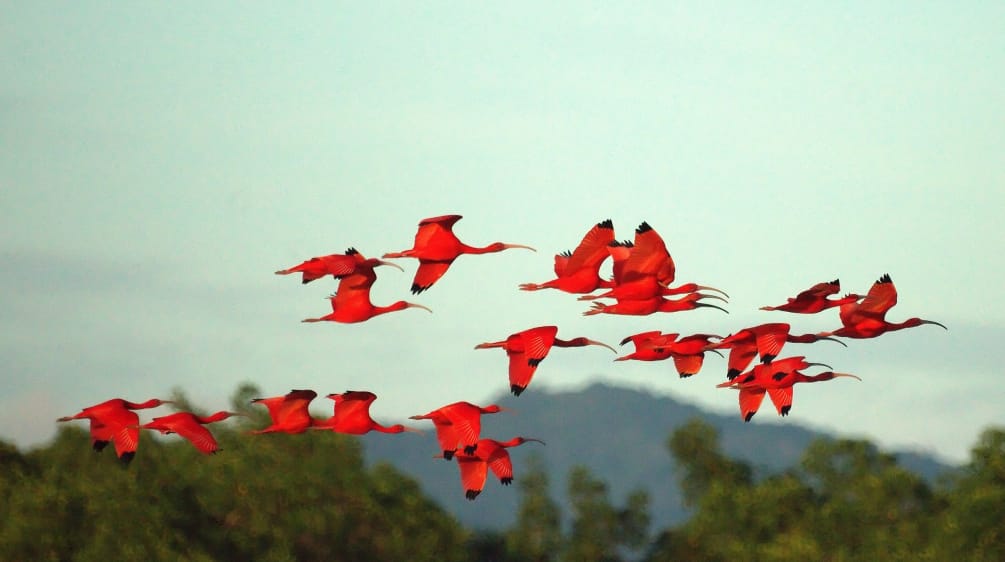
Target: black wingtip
{"type": "Point", "coordinates": [732, 374]}
{"type": "Point", "coordinates": [506, 481]}
{"type": "Point", "coordinates": [517, 389]}
{"type": "Point", "coordinates": [606, 224]}
{"type": "Point", "coordinates": [99, 446]}
{"type": "Point", "coordinates": [534, 362]}
{"type": "Point", "coordinates": [351, 252]}
{"type": "Point", "coordinates": [836, 282]}
{"type": "Point", "coordinates": [747, 417]}
{"type": "Point", "coordinates": [686, 375]}
{"type": "Point", "coordinates": [885, 278]}
{"type": "Point", "coordinates": [768, 358]}
{"type": "Point", "coordinates": [470, 449]}
{"type": "Point", "coordinates": [472, 494]}
{"type": "Point", "coordinates": [416, 289]}
{"type": "Point", "coordinates": [778, 376]}
{"type": "Point", "coordinates": [643, 228]}
{"type": "Point", "coordinates": [127, 458]}
{"type": "Point", "coordinates": [448, 454]}
{"type": "Point", "coordinates": [785, 410]}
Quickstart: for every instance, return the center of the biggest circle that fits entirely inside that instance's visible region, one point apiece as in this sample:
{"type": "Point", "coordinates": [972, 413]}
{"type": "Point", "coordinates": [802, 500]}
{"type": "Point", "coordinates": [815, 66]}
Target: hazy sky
{"type": "Point", "coordinates": [159, 161]}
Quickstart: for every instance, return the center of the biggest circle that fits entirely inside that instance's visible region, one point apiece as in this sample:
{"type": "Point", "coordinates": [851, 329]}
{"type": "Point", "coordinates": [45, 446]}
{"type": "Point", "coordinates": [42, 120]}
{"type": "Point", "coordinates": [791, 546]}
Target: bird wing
{"type": "Point", "coordinates": [750, 401]}
{"type": "Point", "coordinates": [353, 404]}
{"type": "Point", "coordinates": [688, 365]}
{"type": "Point", "coordinates": [428, 273]}
{"type": "Point", "coordinates": [649, 257]}
{"type": "Point", "coordinates": [782, 399]}
{"type": "Point", "coordinates": [501, 465]}
{"type": "Point", "coordinates": [820, 290]}
{"type": "Point", "coordinates": [882, 296]}
{"type": "Point", "coordinates": [642, 339]}
{"type": "Point", "coordinates": [446, 435]}
{"type": "Point", "coordinates": [466, 423]}
{"type": "Point", "coordinates": [431, 228]}
{"type": "Point", "coordinates": [562, 263]}
{"type": "Point", "coordinates": [197, 434]}
{"type": "Point", "coordinates": [126, 438]}
{"type": "Point", "coordinates": [340, 265]}
{"type": "Point", "coordinates": [740, 357]}
{"type": "Point", "coordinates": [592, 250]}
{"type": "Point", "coordinates": [473, 472]}
{"type": "Point", "coordinates": [292, 408]}
{"type": "Point", "coordinates": [538, 341]}
{"type": "Point", "coordinates": [770, 339]}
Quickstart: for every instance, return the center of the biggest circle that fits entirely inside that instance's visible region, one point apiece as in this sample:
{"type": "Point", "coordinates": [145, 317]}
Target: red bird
{"type": "Point", "coordinates": [289, 412]}
{"type": "Point", "coordinates": [647, 271]}
{"type": "Point", "coordinates": [336, 265]}
{"type": "Point", "coordinates": [579, 271]}
{"type": "Point", "coordinates": [656, 304]}
{"type": "Point", "coordinates": [489, 454]}
{"type": "Point", "coordinates": [436, 248]}
{"type": "Point", "coordinates": [114, 420]}
{"type": "Point", "coordinates": [867, 319]}
{"type": "Point", "coordinates": [764, 339]}
{"type": "Point", "coordinates": [352, 415]}
{"type": "Point", "coordinates": [459, 423]}
{"type": "Point", "coordinates": [688, 352]}
{"type": "Point", "coordinates": [190, 426]}
{"type": "Point", "coordinates": [528, 348]}
{"type": "Point", "coordinates": [776, 379]}
{"type": "Point", "coordinates": [351, 300]}
{"type": "Point", "coordinates": [815, 299]}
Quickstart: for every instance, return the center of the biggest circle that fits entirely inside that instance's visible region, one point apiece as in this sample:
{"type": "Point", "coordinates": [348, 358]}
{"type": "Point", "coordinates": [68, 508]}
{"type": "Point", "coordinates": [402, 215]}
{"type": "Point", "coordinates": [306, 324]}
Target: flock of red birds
{"type": "Point", "coordinates": [642, 279]}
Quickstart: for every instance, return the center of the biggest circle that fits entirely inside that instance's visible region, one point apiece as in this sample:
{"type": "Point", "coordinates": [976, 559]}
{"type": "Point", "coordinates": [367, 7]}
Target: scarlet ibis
{"type": "Point", "coordinates": [647, 271]}
{"type": "Point", "coordinates": [653, 305]}
{"type": "Point", "coordinates": [579, 271]}
{"type": "Point", "coordinates": [776, 379]}
{"type": "Point", "coordinates": [289, 412]}
{"type": "Point", "coordinates": [190, 426]}
{"type": "Point", "coordinates": [352, 415]}
{"type": "Point", "coordinates": [351, 300]}
{"type": "Point", "coordinates": [815, 299]}
{"type": "Point", "coordinates": [528, 348]}
{"type": "Point", "coordinates": [489, 454]}
{"type": "Point", "coordinates": [436, 247]}
{"type": "Point", "coordinates": [688, 352]}
{"type": "Point", "coordinates": [764, 339]}
{"type": "Point", "coordinates": [336, 265]}
{"type": "Point", "coordinates": [458, 423]}
{"type": "Point", "coordinates": [867, 319]}
{"type": "Point", "coordinates": [114, 420]}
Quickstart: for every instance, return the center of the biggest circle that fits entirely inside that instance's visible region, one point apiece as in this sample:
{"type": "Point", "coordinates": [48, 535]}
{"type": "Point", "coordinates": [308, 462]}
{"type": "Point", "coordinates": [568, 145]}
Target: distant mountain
{"type": "Point", "coordinates": [620, 434]}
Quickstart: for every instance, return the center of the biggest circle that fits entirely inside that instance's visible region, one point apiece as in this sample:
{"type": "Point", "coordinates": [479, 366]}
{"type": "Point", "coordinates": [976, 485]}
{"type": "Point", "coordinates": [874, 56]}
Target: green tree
{"type": "Point", "coordinates": [974, 524]}
{"type": "Point", "coordinates": [600, 531]}
{"type": "Point", "coordinates": [537, 533]}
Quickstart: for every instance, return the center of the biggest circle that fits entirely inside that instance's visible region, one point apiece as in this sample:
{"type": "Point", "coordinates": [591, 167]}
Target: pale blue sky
{"type": "Point", "coordinates": [158, 162]}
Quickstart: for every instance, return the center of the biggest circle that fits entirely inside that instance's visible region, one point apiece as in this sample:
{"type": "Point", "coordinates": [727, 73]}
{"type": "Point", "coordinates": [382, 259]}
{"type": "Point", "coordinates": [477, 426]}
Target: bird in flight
{"type": "Point", "coordinates": [578, 271]}
{"type": "Point", "coordinates": [191, 427]}
{"type": "Point", "coordinates": [436, 247]}
{"type": "Point", "coordinates": [459, 423]}
{"type": "Point", "coordinates": [528, 348]}
{"type": "Point", "coordinates": [775, 379]}
{"type": "Point", "coordinates": [815, 299]}
{"type": "Point", "coordinates": [351, 300]}
{"type": "Point", "coordinates": [867, 319]}
{"type": "Point", "coordinates": [489, 454]}
{"type": "Point", "coordinates": [336, 265]}
{"type": "Point", "coordinates": [115, 421]}
{"type": "Point", "coordinates": [765, 340]}
{"type": "Point", "coordinates": [289, 412]}
{"type": "Point", "coordinates": [352, 415]}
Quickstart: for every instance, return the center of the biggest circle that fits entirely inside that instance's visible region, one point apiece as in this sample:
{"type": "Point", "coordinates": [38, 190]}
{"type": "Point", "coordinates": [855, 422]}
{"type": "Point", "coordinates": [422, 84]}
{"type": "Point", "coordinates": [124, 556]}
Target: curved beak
{"type": "Point", "coordinates": [703, 296]}
{"type": "Point", "coordinates": [602, 344]}
{"type": "Point", "coordinates": [706, 288]}
{"type": "Point", "coordinates": [311, 320]}
{"type": "Point", "coordinates": [716, 351]}
{"type": "Point", "coordinates": [828, 338]}
{"type": "Point", "coordinates": [413, 430]}
{"type": "Point", "coordinates": [934, 322]}
{"type": "Point", "coordinates": [819, 365]}
{"type": "Point", "coordinates": [392, 264]}
{"type": "Point", "coordinates": [533, 439]}
{"type": "Point", "coordinates": [728, 384]}
{"type": "Point", "coordinates": [711, 305]}
{"type": "Point", "coordinates": [414, 305]}
{"type": "Point", "coordinates": [836, 375]}
{"type": "Point", "coordinates": [508, 246]}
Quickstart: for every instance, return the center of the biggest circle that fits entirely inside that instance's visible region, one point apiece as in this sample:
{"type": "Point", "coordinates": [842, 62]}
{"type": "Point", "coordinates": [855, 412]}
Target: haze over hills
{"type": "Point", "coordinates": [618, 433]}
